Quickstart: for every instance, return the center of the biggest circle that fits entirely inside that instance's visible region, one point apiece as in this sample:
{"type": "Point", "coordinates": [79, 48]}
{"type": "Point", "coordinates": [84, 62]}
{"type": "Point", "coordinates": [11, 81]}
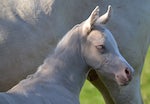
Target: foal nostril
{"type": "Point", "coordinates": [127, 71]}
{"type": "Point", "coordinates": [123, 77]}
{"type": "Point", "coordinates": [128, 74]}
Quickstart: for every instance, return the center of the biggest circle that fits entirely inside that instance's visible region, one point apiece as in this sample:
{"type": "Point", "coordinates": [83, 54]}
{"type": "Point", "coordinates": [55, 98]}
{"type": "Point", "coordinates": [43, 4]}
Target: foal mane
{"type": "Point", "coordinates": [67, 39]}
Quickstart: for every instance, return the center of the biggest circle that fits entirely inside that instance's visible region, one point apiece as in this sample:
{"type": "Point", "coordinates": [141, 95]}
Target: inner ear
{"type": "Point", "coordinates": [91, 20]}
{"type": "Point", "coordinates": [105, 17]}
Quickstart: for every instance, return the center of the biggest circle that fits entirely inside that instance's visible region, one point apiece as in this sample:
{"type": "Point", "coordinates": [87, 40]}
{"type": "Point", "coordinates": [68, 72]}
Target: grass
{"type": "Point", "coordinates": [145, 80]}
{"type": "Point", "coordinates": [90, 95]}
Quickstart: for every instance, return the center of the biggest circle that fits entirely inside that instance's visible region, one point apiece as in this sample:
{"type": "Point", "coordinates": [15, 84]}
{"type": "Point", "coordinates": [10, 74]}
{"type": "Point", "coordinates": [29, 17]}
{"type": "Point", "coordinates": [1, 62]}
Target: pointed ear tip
{"type": "Point", "coordinates": [97, 8]}
{"type": "Point", "coordinates": [109, 7]}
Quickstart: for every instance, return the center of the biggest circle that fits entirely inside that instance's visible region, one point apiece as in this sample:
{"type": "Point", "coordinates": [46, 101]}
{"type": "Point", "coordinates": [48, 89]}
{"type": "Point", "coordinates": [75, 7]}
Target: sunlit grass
{"type": "Point", "coordinates": [145, 80]}
{"type": "Point", "coordinates": [90, 95]}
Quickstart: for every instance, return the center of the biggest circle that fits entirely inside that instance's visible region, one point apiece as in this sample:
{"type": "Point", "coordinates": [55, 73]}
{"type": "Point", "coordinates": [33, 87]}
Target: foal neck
{"type": "Point", "coordinates": [65, 67]}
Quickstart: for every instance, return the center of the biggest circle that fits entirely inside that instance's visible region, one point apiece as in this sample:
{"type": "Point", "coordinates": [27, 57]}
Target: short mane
{"type": "Point", "coordinates": [66, 38]}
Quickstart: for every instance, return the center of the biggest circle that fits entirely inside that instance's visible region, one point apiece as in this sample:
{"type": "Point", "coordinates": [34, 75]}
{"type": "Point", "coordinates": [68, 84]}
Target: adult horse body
{"type": "Point", "coordinates": [60, 78]}
{"type": "Point", "coordinates": [28, 28]}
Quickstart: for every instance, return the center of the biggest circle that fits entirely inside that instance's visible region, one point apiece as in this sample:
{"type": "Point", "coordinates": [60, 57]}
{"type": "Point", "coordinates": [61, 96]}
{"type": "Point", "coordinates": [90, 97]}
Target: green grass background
{"type": "Point", "coordinates": [90, 95]}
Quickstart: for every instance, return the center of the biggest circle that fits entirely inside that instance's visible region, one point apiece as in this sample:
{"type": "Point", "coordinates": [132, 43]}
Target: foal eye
{"type": "Point", "coordinates": [100, 47]}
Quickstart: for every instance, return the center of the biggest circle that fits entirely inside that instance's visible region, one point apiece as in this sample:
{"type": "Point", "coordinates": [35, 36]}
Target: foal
{"type": "Point", "coordinates": [61, 77]}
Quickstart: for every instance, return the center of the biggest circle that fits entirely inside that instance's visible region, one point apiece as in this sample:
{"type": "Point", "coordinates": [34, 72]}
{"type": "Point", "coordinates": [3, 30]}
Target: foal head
{"type": "Point", "coordinates": [100, 51]}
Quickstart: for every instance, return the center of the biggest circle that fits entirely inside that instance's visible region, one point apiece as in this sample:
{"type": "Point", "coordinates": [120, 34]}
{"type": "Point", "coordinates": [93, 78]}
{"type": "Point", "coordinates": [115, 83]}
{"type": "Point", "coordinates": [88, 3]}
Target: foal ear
{"type": "Point", "coordinates": [91, 20]}
{"type": "Point", "coordinates": [105, 17]}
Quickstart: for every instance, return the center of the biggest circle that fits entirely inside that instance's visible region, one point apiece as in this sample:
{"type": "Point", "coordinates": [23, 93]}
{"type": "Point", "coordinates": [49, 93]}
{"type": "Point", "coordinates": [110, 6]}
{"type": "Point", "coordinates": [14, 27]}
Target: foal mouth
{"type": "Point", "coordinates": [122, 81]}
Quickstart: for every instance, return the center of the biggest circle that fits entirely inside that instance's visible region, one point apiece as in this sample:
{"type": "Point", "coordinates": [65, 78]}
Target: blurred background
{"type": "Point", "coordinates": [90, 94]}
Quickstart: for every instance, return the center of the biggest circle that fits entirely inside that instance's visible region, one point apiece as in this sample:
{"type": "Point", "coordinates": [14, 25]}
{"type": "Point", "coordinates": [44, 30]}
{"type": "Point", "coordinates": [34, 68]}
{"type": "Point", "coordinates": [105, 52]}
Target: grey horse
{"type": "Point", "coordinates": [60, 78]}
{"type": "Point", "coordinates": [30, 29]}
